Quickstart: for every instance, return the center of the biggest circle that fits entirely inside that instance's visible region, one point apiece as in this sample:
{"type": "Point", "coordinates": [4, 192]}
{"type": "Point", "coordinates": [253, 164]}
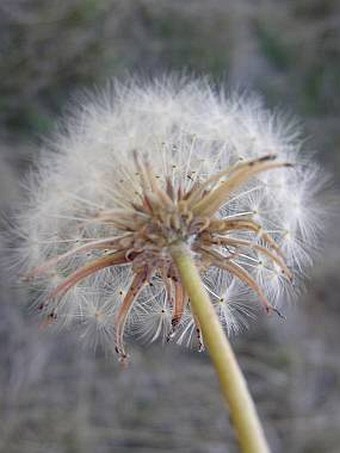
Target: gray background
{"type": "Point", "coordinates": [56, 396]}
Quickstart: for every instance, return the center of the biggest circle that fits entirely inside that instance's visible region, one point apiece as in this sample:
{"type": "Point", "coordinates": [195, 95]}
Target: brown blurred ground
{"type": "Point", "coordinates": [54, 396]}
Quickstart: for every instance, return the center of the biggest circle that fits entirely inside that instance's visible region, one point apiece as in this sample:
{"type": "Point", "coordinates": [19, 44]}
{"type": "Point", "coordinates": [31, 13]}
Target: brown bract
{"type": "Point", "coordinates": [165, 215]}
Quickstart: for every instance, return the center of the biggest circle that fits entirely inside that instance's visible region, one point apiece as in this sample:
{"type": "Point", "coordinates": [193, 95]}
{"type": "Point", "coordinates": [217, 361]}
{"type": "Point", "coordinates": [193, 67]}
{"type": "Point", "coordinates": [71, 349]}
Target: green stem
{"type": "Point", "coordinates": [233, 385]}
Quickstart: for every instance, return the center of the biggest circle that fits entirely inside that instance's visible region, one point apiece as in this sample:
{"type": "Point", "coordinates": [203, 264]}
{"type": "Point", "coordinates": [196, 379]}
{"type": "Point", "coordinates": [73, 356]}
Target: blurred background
{"type": "Point", "coordinates": [55, 396]}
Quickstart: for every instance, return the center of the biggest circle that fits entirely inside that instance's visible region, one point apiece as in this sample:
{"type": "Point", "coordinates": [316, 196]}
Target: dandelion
{"type": "Point", "coordinates": [162, 207]}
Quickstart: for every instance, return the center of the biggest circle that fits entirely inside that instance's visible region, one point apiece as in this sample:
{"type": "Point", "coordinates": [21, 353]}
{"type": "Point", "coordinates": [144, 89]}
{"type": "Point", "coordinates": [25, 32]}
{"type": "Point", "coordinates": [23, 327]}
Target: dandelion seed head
{"type": "Point", "coordinates": [141, 166]}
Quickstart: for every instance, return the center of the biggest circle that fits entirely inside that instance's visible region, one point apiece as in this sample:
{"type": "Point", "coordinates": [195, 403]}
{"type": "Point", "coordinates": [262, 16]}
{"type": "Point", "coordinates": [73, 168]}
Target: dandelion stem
{"type": "Point", "coordinates": [233, 385]}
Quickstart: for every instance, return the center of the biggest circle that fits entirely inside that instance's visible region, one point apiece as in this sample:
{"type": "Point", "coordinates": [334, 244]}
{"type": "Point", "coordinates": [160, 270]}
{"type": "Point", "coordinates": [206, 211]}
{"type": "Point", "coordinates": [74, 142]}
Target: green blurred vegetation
{"type": "Point", "coordinates": [289, 51]}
